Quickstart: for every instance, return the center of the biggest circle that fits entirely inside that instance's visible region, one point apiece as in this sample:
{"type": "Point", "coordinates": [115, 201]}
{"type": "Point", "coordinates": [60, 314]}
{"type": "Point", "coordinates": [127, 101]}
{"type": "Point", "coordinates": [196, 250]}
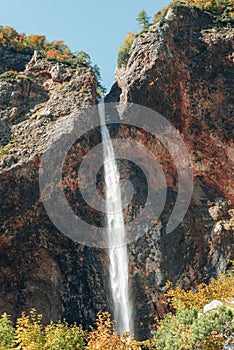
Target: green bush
{"type": "Point", "coordinates": [219, 321]}
{"type": "Point", "coordinates": [186, 331]}
{"type": "Point", "coordinates": [123, 56]}
{"type": "Point", "coordinates": [7, 333]}
{"type": "Point", "coordinates": [173, 332]}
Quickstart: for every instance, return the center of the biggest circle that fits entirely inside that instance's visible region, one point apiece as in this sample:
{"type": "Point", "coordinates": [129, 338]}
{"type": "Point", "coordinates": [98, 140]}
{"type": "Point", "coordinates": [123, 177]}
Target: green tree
{"type": "Point", "coordinates": [83, 57]}
{"type": "Point", "coordinates": [101, 90]}
{"type": "Point", "coordinates": [143, 20]}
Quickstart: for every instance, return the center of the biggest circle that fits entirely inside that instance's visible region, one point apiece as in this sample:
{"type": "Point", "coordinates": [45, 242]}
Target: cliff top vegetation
{"type": "Point", "coordinates": [50, 50]}
{"type": "Point", "coordinates": [222, 12]}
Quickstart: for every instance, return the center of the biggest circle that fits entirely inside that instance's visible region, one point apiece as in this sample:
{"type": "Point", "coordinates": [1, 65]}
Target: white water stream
{"type": "Point", "coordinates": [116, 236]}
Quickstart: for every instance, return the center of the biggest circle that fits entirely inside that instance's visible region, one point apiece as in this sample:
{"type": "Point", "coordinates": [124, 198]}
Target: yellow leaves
{"type": "Point", "coordinates": [105, 336]}
{"type": "Point", "coordinates": [31, 335]}
{"type": "Point", "coordinates": [128, 40]}
{"type": "Point", "coordinates": [214, 342]}
{"type": "Point", "coordinates": [29, 331]}
{"type": "Point", "coordinates": [207, 4]}
{"type": "Point", "coordinates": [54, 54]}
{"type": "Point", "coordinates": [35, 41]}
{"type": "Point", "coordinates": [221, 289]}
{"type": "Point", "coordinates": [123, 53]}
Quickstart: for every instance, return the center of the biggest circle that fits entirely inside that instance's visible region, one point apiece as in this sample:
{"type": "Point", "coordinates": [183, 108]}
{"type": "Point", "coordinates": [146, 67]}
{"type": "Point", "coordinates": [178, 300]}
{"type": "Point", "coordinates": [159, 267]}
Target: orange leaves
{"type": "Point", "coordinates": [54, 50]}
{"type": "Point", "coordinates": [54, 54]}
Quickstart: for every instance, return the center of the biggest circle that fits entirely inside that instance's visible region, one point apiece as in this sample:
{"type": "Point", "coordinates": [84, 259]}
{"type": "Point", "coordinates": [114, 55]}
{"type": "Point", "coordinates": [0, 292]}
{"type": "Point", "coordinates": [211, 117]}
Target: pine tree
{"type": "Point", "coordinates": [143, 19]}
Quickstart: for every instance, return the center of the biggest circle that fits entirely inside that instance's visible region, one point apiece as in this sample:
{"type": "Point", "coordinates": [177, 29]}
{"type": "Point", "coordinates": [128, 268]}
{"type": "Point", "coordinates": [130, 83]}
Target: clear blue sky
{"type": "Point", "coordinates": [96, 27]}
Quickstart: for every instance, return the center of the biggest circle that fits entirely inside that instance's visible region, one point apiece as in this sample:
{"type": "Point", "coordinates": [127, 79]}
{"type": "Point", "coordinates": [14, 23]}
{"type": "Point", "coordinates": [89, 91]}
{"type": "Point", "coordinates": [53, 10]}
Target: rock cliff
{"type": "Point", "coordinates": [39, 266]}
{"type": "Point", "coordinates": [181, 68]}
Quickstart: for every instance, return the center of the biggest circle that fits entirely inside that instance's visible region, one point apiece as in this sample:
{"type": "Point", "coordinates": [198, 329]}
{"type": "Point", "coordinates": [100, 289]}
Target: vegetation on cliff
{"type": "Point", "coordinates": [54, 51]}
{"type": "Point", "coordinates": [123, 54]}
{"type": "Point", "coordinates": [184, 328]}
{"type": "Point", "coordinates": [221, 11]}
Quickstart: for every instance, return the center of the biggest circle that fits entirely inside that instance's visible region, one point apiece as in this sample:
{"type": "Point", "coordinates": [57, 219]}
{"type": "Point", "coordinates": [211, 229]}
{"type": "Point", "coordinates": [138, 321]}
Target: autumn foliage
{"type": "Point", "coordinates": [186, 328]}
{"type": "Point", "coordinates": [54, 51]}
{"type": "Point", "coordinates": [222, 10]}
{"type": "Point", "coordinates": [123, 54]}
{"type": "Point", "coordinates": [105, 336]}
{"type": "Point", "coordinates": [10, 38]}
{"type": "Point", "coordinates": [221, 289]}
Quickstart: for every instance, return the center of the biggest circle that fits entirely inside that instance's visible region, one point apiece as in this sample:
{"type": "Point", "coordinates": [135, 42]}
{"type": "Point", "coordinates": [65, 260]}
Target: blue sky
{"type": "Point", "coordinates": [96, 27]}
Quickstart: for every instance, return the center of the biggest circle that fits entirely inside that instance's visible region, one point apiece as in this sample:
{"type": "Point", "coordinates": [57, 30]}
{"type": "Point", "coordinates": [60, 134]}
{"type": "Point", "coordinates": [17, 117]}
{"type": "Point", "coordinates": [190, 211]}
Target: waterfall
{"type": "Point", "coordinates": [116, 235]}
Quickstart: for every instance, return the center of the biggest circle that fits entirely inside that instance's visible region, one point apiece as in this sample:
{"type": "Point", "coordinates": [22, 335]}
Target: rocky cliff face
{"type": "Point", "coordinates": [184, 69]}
{"type": "Point", "coordinates": [180, 68]}
{"type": "Point", "coordinates": [13, 60]}
{"type": "Point", "coordinates": [40, 267]}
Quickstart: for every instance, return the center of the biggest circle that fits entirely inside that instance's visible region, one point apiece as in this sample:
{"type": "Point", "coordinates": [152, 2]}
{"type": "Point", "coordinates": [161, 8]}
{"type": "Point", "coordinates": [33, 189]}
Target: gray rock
{"type": "Point", "coordinates": [214, 304]}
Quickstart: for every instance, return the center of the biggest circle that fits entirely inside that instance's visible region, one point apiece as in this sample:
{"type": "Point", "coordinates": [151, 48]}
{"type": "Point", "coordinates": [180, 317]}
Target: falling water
{"type": "Point", "coordinates": [117, 246]}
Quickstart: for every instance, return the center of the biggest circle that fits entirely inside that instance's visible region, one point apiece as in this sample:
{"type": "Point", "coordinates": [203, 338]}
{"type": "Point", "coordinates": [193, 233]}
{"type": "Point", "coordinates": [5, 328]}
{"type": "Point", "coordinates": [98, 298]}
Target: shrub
{"type": "Point", "coordinates": [31, 335]}
{"type": "Point", "coordinates": [185, 330]}
{"type": "Point", "coordinates": [7, 333]}
{"type": "Point", "coordinates": [34, 41]}
{"type": "Point", "coordinates": [29, 331]}
{"type": "Point", "coordinates": [213, 328]}
{"type": "Point", "coordinates": [173, 332]}
{"type": "Point", "coordinates": [221, 289]}
{"type": "Point", "coordinates": [62, 336]}
{"type": "Point", "coordinates": [105, 336]}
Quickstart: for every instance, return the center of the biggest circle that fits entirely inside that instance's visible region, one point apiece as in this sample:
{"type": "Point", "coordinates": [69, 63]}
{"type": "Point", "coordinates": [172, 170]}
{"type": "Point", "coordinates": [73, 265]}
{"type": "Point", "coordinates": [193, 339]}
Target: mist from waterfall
{"type": "Point", "coordinates": [116, 235]}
